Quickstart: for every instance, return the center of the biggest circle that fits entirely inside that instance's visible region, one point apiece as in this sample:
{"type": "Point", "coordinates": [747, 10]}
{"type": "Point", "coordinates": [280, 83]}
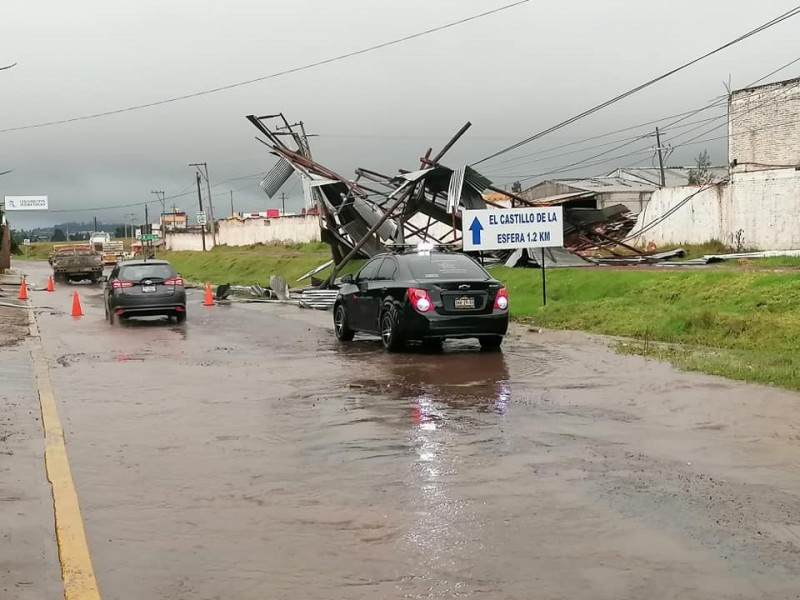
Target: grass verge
{"type": "Point", "coordinates": [741, 324]}
{"type": "Point", "coordinates": [247, 265]}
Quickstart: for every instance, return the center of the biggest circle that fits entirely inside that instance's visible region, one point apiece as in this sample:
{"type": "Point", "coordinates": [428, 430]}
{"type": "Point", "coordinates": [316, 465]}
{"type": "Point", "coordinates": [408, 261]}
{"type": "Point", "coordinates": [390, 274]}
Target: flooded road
{"type": "Point", "coordinates": [248, 455]}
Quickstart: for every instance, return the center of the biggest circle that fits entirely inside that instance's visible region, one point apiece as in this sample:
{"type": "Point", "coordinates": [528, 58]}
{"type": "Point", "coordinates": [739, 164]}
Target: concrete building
{"type": "Point", "coordinates": [758, 207]}
{"type": "Point", "coordinates": [594, 192]}
{"type": "Point", "coordinates": [764, 127]}
{"type": "Point", "coordinates": [176, 220]}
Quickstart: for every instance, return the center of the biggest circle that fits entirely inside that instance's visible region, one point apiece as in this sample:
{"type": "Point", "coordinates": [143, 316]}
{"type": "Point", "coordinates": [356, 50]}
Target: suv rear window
{"type": "Point", "coordinates": [139, 272]}
{"type": "Point", "coordinates": [445, 266]}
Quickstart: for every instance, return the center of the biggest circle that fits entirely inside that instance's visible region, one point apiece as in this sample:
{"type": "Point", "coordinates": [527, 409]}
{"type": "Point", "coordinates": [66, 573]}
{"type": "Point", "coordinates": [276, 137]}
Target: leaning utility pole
{"type": "Point", "coordinates": [212, 228]}
{"type": "Point", "coordinates": [200, 200]}
{"type": "Point", "coordinates": [660, 158]}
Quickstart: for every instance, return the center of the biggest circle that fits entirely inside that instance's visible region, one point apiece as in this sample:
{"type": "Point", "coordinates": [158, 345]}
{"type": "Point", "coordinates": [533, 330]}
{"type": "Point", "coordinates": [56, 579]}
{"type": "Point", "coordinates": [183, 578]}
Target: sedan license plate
{"type": "Point", "coordinates": [148, 288]}
{"type": "Point", "coordinates": [465, 302]}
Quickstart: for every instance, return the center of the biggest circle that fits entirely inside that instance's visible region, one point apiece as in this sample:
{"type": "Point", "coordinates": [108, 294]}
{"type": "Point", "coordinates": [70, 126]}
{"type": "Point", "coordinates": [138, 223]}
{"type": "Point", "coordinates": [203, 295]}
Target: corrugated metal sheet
{"type": "Point", "coordinates": [475, 180]}
{"type": "Point", "coordinates": [386, 231]}
{"type": "Point", "coordinates": [277, 176]}
{"type": "Point", "coordinates": [454, 190]}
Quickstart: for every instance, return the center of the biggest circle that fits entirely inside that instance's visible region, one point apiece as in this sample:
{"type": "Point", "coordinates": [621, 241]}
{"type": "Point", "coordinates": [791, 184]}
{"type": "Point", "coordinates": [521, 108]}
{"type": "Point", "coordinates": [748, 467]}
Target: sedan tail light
{"type": "Point", "coordinates": [174, 281]}
{"type": "Point", "coordinates": [420, 300]}
{"type": "Point", "coordinates": [501, 300]}
{"type": "Point", "coordinates": [118, 284]}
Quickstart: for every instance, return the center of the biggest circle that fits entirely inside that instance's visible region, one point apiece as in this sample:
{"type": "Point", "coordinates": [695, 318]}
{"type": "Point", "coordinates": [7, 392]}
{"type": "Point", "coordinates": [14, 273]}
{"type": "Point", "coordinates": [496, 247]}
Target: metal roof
{"type": "Point", "coordinates": [606, 185]}
{"type": "Point", "coordinates": [673, 176]}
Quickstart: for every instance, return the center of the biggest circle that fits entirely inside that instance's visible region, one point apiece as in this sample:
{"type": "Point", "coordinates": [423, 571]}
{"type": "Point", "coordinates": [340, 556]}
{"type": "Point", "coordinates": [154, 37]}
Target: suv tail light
{"type": "Point", "coordinates": [118, 284]}
{"type": "Point", "coordinates": [501, 300]}
{"type": "Point", "coordinates": [420, 300]}
{"type": "Point", "coordinates": [174, 281]}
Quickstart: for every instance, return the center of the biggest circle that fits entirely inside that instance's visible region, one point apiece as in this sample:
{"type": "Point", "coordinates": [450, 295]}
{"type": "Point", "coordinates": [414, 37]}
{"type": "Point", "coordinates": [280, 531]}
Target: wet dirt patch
{"type": "Point", "coordinates": [13, 325]}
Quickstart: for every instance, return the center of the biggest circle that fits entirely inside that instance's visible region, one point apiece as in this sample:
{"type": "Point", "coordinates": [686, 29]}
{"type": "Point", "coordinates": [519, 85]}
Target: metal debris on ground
{"type": "Point", "coordinates": [318, 299]}
{"type": "Point", "coordinates": [361, 217]}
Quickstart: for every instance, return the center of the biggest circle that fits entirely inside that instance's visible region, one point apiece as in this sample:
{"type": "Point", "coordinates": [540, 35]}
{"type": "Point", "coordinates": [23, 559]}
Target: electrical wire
{"type": "Point", "coordinates": [272, 75]}
{"type": "Point", "coordinates": [714, 102]}
{"type": "Point", "coordinates": [787, 15]}
{"type": "Point", "coordinates": [149, 202]}
{"type": "Point", "coordinates": [775, 97]}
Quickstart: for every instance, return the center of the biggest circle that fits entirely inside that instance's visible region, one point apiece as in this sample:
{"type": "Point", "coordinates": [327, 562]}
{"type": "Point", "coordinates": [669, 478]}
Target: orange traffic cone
{"type": "Point", "coordinates": [23, 290]}
{"type": "Point", "coordinates": [76, 305]}
{"type": "Point", "coordinates": [209, 299]}
{"type": "Point", "coordinates": [50, 285]}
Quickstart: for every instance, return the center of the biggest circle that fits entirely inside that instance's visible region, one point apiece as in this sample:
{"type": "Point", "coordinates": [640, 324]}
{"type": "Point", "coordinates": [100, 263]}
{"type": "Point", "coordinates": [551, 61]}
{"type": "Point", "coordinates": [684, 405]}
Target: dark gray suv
{"type": "Point", "coordinates": [144, 288]}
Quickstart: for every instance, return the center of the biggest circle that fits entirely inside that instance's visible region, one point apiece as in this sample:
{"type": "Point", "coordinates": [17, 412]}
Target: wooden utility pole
{"type": "Point", "coordinates": [200, 200]}
{"type": "Point", "coordinates": [660, 158]}
{"type": "Point", "coordinates": [232, 211]}
{"type": "Point", "coordinates": [211, 226]}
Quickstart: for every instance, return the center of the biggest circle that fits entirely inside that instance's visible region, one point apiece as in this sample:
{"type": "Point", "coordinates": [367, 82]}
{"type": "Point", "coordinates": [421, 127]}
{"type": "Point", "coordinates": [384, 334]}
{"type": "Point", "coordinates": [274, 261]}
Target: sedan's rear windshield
{"type": "Point", "coordinates": [139, 272]}
{"type": "Point", "coordinates": [445, 266]}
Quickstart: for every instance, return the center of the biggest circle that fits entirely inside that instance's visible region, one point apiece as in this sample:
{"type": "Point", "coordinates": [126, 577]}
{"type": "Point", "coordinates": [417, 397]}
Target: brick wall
{"type": "Point", "coordinates": [764, 126]}
{"type": "Point", "coordinates": [5, 247]}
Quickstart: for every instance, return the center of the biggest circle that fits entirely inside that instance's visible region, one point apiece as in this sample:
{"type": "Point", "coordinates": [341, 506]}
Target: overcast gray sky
{"type": "Point", "coordinates": [511, 74]}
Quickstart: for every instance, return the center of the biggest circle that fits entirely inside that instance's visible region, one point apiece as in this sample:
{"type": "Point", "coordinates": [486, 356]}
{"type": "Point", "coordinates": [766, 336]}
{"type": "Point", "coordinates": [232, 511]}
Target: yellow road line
{"type": "Point", "coordinates": [73, 550]}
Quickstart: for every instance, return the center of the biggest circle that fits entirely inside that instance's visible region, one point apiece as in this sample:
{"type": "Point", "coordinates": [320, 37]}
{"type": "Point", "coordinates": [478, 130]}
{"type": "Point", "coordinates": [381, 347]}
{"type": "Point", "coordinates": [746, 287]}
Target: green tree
{"type": "Point", "coordinates": [700, 175]}
{"type": "Point", "coordinates": [516, 187]}
{"type": "Point", "coordinates": [58, 236]}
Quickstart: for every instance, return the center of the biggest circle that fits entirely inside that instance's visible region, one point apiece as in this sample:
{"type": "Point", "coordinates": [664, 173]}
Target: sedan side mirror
{"type": "Point", "coordinates": [348, 278]}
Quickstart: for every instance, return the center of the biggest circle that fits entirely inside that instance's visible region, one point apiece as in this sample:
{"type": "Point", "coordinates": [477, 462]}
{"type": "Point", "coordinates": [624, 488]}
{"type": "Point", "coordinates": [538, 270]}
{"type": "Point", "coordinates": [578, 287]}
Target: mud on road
{"type": "Point", "coordinates": [13, 323]}
{"type": "Point", "coordinates": [247, 455]}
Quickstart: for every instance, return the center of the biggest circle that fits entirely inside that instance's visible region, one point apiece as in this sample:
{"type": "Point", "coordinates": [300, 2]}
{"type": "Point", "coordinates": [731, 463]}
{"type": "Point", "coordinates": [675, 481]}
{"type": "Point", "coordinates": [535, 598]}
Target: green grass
{"type": "Point", "coordinates": [247, 265]}
{"type": "Point", "coordinates": [740, 324]}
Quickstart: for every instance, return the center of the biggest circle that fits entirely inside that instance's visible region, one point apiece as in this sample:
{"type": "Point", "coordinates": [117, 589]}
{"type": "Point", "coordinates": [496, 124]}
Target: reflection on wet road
{"type": "Point", "coordinates": [248, 455]}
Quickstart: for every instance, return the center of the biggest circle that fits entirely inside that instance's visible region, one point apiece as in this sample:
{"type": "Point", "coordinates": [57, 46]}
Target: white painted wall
{"type": "Point", "coordinates": [283, 230]}
{"type": "Point", "coordinates": [762, 205]}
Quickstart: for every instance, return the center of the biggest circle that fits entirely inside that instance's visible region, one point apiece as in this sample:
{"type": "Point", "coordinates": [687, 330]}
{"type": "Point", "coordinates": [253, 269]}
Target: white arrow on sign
{"type": "Point", "coordinates": [512, 228]}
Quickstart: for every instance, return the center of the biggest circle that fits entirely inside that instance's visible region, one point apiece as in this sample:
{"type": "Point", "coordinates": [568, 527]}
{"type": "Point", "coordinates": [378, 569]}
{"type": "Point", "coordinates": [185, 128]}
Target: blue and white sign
{"type": "Point", "coordinates": [512, 228]}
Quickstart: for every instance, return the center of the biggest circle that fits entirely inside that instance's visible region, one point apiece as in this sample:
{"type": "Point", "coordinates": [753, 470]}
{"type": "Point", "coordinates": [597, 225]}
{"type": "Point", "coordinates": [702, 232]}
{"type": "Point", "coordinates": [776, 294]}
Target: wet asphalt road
{"type": "Point", "coordinates": [247, 455]}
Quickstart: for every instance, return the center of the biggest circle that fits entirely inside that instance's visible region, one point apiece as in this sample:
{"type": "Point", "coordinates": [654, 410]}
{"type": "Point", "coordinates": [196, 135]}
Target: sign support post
{"type": "Point", "coordinates": [544, 282]}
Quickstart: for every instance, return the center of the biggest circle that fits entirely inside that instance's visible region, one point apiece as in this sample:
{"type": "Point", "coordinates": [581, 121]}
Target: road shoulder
{"type": "Point", "coordinates": [29, 567]}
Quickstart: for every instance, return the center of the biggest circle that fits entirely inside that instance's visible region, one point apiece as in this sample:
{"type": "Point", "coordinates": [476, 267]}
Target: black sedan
{"type": "Point", "coordinates": [144, 288]}
{"type": "Point", "coordinates": [425, 296]}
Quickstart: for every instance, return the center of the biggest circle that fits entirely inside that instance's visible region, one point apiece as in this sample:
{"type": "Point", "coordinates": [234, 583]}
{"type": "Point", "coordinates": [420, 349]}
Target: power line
{"type": "Point", "coordinates": [148, 202]}
{"type": "Point", "coordinates": [714, 102]}
{"type": "Point", "coordinates": [272, 75]}
{"type": "Point", "coordinates": [787, 15]}
{"type": "Point", "coordinates": [730, 118]}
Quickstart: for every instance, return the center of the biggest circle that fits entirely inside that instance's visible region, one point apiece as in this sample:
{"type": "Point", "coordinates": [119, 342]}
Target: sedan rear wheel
{"type": "Point", "coordinates": [390, 336]}
{"type": "Point", "coordinates": [491, 342]}
{"type": "Point", "coordinates": [340, 325]}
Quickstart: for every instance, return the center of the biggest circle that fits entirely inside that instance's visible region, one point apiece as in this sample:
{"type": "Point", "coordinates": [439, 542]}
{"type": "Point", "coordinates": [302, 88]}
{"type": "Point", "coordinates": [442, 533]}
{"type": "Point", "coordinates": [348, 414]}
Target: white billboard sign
{"type": "Point", "coordinates": [511, 228]}
{"type": "Point", "coordinates": [26, 203]}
